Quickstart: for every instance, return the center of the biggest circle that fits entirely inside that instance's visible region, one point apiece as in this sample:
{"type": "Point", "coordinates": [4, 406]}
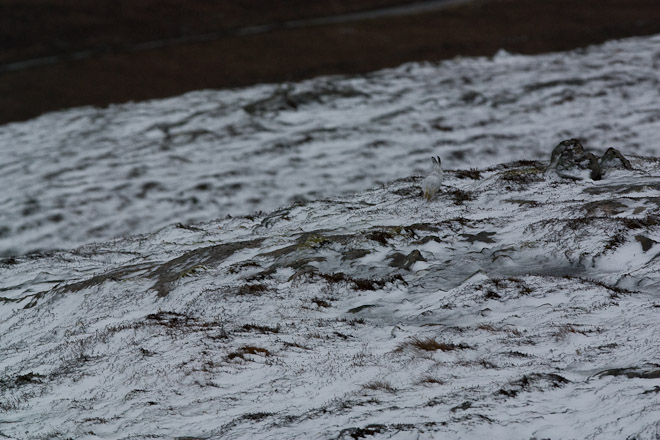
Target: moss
{"type": "Point", "coordinates": [192, 271]}
{"type": "Point", "coordinates": [313, 242]}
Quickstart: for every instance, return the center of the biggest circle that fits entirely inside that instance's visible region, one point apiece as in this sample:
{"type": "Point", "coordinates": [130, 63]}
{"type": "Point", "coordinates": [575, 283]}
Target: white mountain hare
{"type": "Point", "coordinates": [431, 183]}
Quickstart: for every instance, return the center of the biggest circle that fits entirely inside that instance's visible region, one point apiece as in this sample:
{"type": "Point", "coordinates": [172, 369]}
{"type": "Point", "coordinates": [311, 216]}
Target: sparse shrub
{"type": "Point", "coordinates": [248, 349]}
{"type": "Point", "coordinates": [360, 283]}
{"type": "Point", "coordinates": [487, 364]}
{"type": "Point", "coordinates": [352, 322]}
{"type": "Point", "coordinates": [529, 382]}
{"type": "Point", "coordinates": [615, 290]}
{"type": "Point", "coordinates": [170, 319]}
{"type": "Point", "coordinates": [429, 344]}
{"type": "Point", "coordinates": [321, 302]}
{"type": "Point", "coordinates": [491, 328]}
{"type": "Point", "coordinates": [256, 416]}
{"type": "Point", "coordinates": [460, 196]}
{"type": "Point", "coordinates": [252, 289]}
{"type": "Point", "coordinates": [379, 385]}
{"type": "Point", "coordinates": [429, 381]}
{"type": "Point", "coordinates": [563, 331]}
{"type": "Point", "coordinates": [24, 379]}
{"type": "Point", "coordinates": [462, 407]}
{"type": "Point", "coordinates": [296, 345]}
{"type": "Point", "coordinates": [260, 328]}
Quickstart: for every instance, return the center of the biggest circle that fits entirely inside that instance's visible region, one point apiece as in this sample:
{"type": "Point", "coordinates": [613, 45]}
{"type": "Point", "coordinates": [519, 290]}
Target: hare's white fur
{"type": "Point", "coordinates": [432, 182]}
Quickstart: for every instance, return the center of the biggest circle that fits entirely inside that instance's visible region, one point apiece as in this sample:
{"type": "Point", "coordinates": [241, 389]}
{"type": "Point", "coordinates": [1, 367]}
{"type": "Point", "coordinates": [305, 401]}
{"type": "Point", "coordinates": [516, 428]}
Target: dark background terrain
{"type": "Point", "coordinates": [61, 53]}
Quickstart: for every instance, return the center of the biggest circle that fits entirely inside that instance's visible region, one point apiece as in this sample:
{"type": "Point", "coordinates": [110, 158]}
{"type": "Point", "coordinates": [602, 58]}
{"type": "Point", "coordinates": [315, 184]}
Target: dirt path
{"type": "Point", "coordinates": [100, 56]}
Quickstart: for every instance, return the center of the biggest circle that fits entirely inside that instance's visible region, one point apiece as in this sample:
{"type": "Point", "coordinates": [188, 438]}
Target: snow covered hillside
{"type": "Point", "coordinates": [517, 304]}
{"type": "Point", "coordinates": [87, 174]}
{"type": "Point", "coordinates": [522, 302]}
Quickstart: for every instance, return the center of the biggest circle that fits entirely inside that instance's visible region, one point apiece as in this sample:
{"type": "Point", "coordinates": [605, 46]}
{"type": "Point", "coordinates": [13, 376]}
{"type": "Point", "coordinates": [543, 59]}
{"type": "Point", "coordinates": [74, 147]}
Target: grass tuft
{"type": "Point", "coordinates": [429, 344]}
{"type": "Point", "coordinates": [248, 349]}
{"type": "Point", "coordinates": [429, 381]}
{"type": "Point", "coordinates": [379, 385]}
{"type": "Point", "coordinates": [260, 328]}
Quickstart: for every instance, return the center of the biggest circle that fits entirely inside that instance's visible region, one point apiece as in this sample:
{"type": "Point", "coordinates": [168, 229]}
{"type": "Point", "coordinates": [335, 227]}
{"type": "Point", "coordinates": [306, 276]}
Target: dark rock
{"type": "Point", "coordinates": [483, 237]}
{"type": "Point", "coordinates": [29, 378]}
{"type": "Point", "coordinates": [645, 372]}
{"type": "Point", "coordinates": [614, 160]}
{"type": "Point", "coordinates": [427, 239]}
{"type": "Point", "coordinates": [646, 242]}
{"type": "Point", "coordinates": [381, 237]}
{"type": "Point", "coordinates": [354, 254]}
{"type": "Point", "coordinates": [406, 261]}
{"type": "Point", "coordinates": [4, 231]}
{"type": "Point", "coordinates": [568, 159]}
{"type": "Point", "coordinates": [360, 308]}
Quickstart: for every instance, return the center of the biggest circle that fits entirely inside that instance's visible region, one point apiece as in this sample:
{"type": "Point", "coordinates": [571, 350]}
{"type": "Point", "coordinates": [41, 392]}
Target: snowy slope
{"type": "Point", "coordinates": [86, 175]}
{"type": "Point", "coordinates": [515, 305]}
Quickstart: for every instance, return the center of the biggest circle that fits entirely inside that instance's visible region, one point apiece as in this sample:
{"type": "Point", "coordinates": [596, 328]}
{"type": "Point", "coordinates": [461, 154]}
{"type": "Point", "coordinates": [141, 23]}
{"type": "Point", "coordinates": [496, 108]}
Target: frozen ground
{"type": "Point", "coordinates": [87, 174]}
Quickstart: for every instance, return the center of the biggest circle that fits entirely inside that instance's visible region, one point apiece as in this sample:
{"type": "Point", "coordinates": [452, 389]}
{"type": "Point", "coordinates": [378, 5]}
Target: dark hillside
{"type": "Point", "coordinates": [56, 53]}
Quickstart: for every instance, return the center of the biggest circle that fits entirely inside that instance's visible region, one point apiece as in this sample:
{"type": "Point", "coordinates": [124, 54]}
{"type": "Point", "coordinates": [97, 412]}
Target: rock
{"type": "Point", "coordinates": [614, 160]}
{"type": "Point", "coordinates": [354, 254]}
{"type": "Point", "coordinates": [483, 237]}
{"type": "Point", "coordinates": [646, 242]}
{"type": "Point", "coordinates": [570, 160]}
{"type": "Point", "coordinates": [406, 261]}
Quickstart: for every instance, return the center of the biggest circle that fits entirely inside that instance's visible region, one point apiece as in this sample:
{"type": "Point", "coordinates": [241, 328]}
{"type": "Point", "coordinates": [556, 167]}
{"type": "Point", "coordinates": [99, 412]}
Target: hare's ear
{"type": "Point", "coordinates": [438, 161]}
{"type": "Point", "coordinates": [435, 161]}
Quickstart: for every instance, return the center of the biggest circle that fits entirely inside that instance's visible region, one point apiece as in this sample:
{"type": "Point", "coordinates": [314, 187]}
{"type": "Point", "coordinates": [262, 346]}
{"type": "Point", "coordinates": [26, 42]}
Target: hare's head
{"type": "Point", "coordinates": [437, 163]}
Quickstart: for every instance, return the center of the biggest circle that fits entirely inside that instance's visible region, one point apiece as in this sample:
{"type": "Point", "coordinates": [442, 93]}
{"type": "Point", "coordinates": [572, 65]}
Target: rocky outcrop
{"type": "Point", "coordinates": [612, 159]}
{"type": "Point", "coordinates": [570, 160]}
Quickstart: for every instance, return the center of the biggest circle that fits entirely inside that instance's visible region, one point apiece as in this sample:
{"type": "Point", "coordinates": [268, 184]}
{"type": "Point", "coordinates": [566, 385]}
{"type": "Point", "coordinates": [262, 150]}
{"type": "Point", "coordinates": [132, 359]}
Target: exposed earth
{"type": "Point", "coordinates": [56, 54]}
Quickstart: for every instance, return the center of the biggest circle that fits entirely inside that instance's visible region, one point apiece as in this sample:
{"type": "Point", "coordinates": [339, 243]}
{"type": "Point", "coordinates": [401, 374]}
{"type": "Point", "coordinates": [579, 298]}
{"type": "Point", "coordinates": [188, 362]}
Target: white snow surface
{"type": "Point", "coordinates": [515, 305]}
{"type": "Point", "coordinates": [89, 174]}
{"type": "Point", "coordinates": [525, 306]}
